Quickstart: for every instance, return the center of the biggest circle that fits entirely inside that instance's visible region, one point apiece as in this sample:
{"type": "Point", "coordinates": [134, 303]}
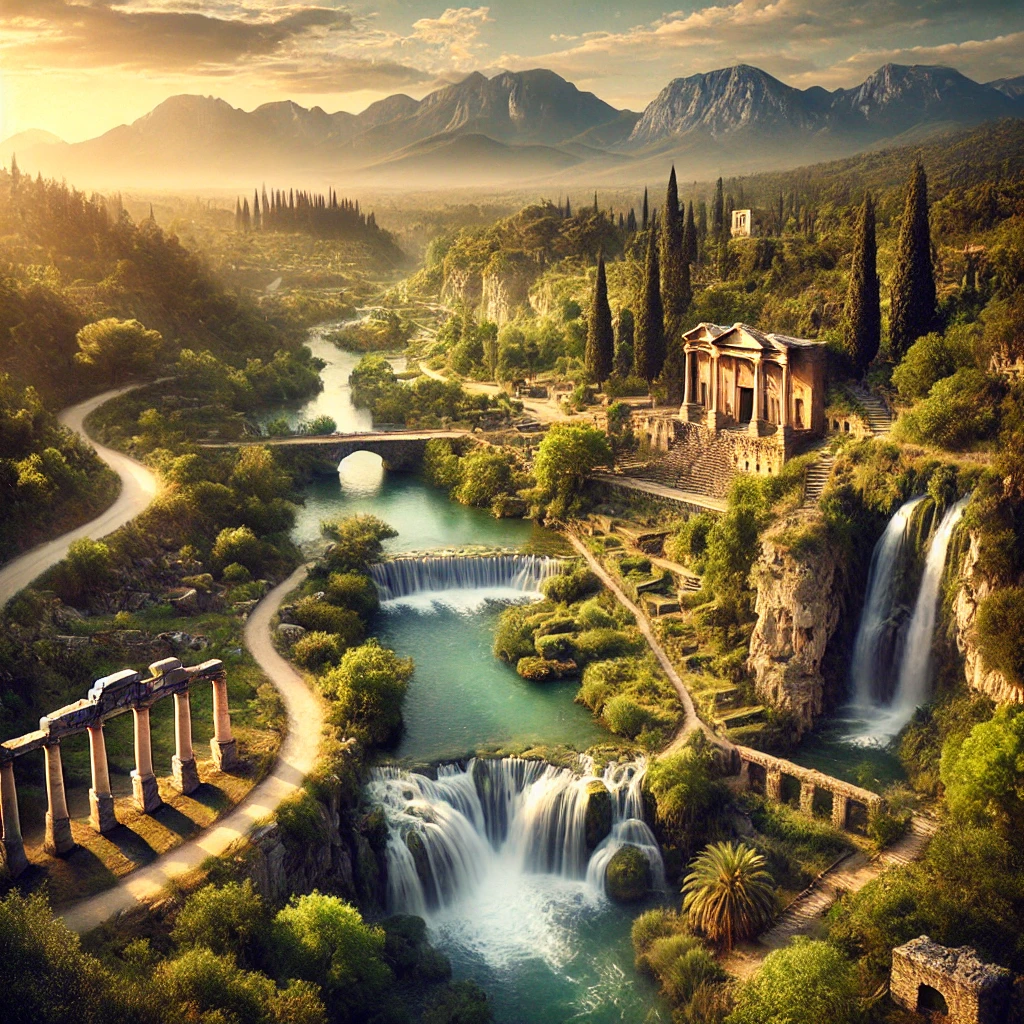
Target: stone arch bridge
{"type": "Point", "coordinates": [400, 450]}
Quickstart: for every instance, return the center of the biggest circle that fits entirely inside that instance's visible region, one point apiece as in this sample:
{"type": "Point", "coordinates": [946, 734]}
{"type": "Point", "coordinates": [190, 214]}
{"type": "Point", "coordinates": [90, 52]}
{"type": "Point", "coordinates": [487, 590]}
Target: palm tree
{"type": "Point", "coordinates": [728, 894]}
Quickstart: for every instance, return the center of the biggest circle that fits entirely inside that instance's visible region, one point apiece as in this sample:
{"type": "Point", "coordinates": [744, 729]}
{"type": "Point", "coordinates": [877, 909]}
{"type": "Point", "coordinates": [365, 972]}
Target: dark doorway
{"type": "Point", "coordinates": [931, 1000]}
{"type": "Point", "coordinates": [799, 413]}
{"type": "Point", "coordinates": [704, 395]}
{"type": "Point", "coordinates": [746, 405]}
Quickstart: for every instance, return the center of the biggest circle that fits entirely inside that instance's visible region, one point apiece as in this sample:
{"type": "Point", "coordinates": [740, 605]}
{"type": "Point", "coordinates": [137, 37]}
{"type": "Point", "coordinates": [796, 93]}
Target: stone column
{"type": "Point", "coordinates": [687, 383]}
{"type": "Point", "coordinates": [101, 800]}
{"type": "Point", "coordinates": [223, 747]}
{"type": "Point", "coordinates": [144, 784]}
{"type": "Point", "coordinates": [757, 413]}
{"type": "Point", "coordinates": [784, 402]}
{"type": "Point", "coordinates": [840, 810]}
{"type": "Point", "coordinates": [714, 416]}
{"type": "Point", "coordinates": [183, 764]}
{"type": "Point", "coordinates": [773, 784]}
{"type": "Point", "coordinates": [744, 774]}
{"type": "Point", "coordinates": [58, 822]}
{"type": "Point", "coordinates": [807, 798]}
{"type": "Point", "coordinates": [14, 846]}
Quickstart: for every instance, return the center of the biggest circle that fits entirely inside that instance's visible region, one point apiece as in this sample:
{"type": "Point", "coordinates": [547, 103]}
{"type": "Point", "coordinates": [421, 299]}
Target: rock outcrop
{"type": "Point", "coordinates": [973, 589]}
{"type": "Point", "coordinates": [799, 599]}
{"type": "Point", "coordinates": [506, 290]}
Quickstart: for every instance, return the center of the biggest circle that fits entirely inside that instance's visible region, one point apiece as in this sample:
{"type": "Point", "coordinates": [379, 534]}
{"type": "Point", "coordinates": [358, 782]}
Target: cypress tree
{"type": "Point", "coordinates": [624, 344]}
{"type": "Point", "coordinates": [912, 299]}
{"type": "Point", "coordinates": [600, 334]}
{"type": "Point", "coordinates": [675, 278]}
{"type": "Point", "coordinates": [862, 319]}
{"type": "Point", "coordinates": [568, 207]}
{"type": "Point", "coordinates": [649, 348]}
{"type": "Point", "coordinates": [256, 209]}
{"type": "Point", "coordinates": [596, 208]}
{"type": "Point", "coordinates": [702, 221]}
{"type": "Point", "coordinates": [646, 217]}
{"type": "Point", "coordinates": [690, 235]}
{"type": "Point", "coordinates": [718, 213]}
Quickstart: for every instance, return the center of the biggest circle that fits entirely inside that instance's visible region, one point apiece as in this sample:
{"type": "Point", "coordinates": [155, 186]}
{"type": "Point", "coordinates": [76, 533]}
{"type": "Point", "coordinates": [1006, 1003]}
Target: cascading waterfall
{"type": "Point", "coordinates": [420, 581]}
{"type": "Point", "coordinates": [912, 651]}
{"type": "Point", "coordinates": [505, 817]}
{"type": "Point", "coordinates": [915, 668]}
{"type": "Point", "coordinates": [875, 649]}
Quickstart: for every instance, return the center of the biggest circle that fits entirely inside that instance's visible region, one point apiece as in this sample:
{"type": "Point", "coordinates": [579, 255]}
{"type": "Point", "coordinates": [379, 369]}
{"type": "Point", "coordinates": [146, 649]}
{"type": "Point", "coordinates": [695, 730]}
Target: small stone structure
{"type": "Point", "coordinates": [927, 977]}
{"type": "Point", "coordinates": [775, 768]}
{"type": "Point", "coordinates": [742, 224]}
{"type": "Point", "coordinates": [110, 696]}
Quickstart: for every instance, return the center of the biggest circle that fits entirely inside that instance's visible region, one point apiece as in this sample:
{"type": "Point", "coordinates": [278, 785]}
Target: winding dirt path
{"type": "Point", "coordinates": [305, 716]}
{"type": "Point", "coordinates": [298, 752]}
{"type": "Point", "coordinates": [138, 488]}
{"type": "Point", "coordinates": [691, 720]}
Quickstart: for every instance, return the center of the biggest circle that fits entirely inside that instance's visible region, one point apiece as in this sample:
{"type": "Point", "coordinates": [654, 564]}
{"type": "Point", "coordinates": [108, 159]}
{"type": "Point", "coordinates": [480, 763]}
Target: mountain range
{"type": "Point", "coordinates": [524, 126]}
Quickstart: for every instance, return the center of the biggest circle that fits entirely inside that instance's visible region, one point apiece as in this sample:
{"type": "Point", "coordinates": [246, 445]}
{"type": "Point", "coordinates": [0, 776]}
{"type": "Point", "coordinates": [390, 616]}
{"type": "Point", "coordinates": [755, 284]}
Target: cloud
{"type": "Point", "coordinates": [40, 33]}
{"type": "Point", "coordinates": [454, 34]}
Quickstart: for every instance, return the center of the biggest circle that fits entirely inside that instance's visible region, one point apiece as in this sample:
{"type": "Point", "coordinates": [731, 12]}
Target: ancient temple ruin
{"type": "Point", "coordinates": [931, 979]}
{"type": "Point", "coordinates": [114, 695]}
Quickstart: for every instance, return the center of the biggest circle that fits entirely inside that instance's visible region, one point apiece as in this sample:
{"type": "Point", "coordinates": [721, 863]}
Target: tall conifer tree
{"type": "Point", "coordinates": [718, 213]}
{"type": "Point", "coordinates": [690, 235]}
{"type": "Point", "coordinates": [646, 217]}
{"type": "Point", "coordinates": [862, 318]}
{"type": "Point", "coordinates": [649, 347]}
{"type": "Point", "coordinates": [624, 344]}
{"type": "Point", "coordinates": [912, 299]}
{"type": "Point", "coordinates": [674, 271]}
{"type": "Point", "coordinates": [600, 349]}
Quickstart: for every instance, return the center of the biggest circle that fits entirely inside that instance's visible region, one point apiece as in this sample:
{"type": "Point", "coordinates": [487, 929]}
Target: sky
{"type": "Point", "coordinates": [80, 67]}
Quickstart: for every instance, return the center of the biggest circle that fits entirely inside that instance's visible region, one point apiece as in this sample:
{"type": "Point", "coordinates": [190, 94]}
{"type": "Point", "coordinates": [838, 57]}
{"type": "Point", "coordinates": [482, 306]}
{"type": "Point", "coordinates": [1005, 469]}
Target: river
{"type": "Point", "coordinates": [548, 949]}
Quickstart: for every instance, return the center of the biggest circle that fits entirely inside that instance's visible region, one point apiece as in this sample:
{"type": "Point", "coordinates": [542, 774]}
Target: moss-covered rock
{"type": "Point", "coordinates": [628, 878]}
{"type": "Point", "coordinates": [556, 647]}
{"type": "Point", "coordinates": [598, 821]}
{"type": "Point", "coordinates": [540, 670]}
{"type": "Point", "coordinates": [419, 856]}
{"type": "Point", "coordinates": [556, 624]}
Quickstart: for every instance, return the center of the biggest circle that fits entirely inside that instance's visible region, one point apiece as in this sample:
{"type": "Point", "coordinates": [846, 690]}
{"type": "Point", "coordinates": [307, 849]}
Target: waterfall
{"type": "Point", "coordinates": [915, 667]}
{"type": "Point", "coordinates": [875, 649]}
{"type": "Point", "coordinates": [511, 817]}
{"type": "Point", "coordinates": [421, 581]}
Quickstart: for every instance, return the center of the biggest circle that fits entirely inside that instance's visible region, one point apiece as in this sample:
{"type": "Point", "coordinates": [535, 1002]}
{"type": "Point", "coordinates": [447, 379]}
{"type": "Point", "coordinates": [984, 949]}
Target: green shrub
{"type": "Point", "coordinates": [461, 1002]}
{"type": "Point", "coordinates": [650, 926]}
{"type": "Point", "coordinates": [317, 650]}
{"type": "Point", "coordinates": [230, 919]}
{"type": "Point", "coordinates": [885, 827]}
{"type": "Point", "coordinates": [571, 586]}
{"type": "Point", "coordinates": [601, 644]}
{"type": "Point", "coordinates": [369, 686]}
{"type": "Point", "coordinates": [601, 680]}
{"type": "Point", "coordinates": [623, 715]}
{"type": "Point", "coordinates": [540, 670]}
{"type": "Point", "coordinates": [1000, 632]}
{"type": "Point", "coordinates": [592, 616]}
{"type": "Point", "coordinates": [556, 647]}
{"type": "Point", "coordinates": [88, 568]}
{"type": "Point", "coordinates": [513, 637]}
{"type": "Point", "coordinates": [239, 546]}
{"type": "Point", "coordinates": [959, 411]}
{"type": "Point", "coordinates": [484, 474]}
{"type": "Point", "coordinates": [321, 617]}
{"type": "Point", "coordinates": [690, 541]}
{"type": "Point", "coordinates": [353, 590]}
{"type": "Point", "coordinates": [301, 818]}
{"type": "Point", "coordinates": [236, 573]}
{"type": "Point", "coordinates": [441, 464]}
{"type": "Point", "coordinates": [634, 565]}
{"type": "Point", "coordinates": [556, 624]}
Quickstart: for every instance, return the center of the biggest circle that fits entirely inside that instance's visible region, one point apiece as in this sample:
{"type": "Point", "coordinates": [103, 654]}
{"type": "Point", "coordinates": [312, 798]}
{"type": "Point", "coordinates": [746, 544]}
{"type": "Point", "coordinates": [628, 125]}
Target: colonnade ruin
{"type": "Point", "coordinates": [757, 769]}
{"type": "Point", "coordinates": [109, 697]}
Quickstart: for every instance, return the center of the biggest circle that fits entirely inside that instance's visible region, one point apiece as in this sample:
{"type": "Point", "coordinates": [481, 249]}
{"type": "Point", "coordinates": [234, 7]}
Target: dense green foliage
{"type": "Point", "coordinates": [600, 332]}
{"type": "Point", "coordinates": [862, 316]}
{"type": "Point", "coordinates": [728, 894]}
{"type": "Point", "coordinates": [649, 346]}
{"type": "Point", "coordinates": [912, 304]}
{"type": "Point", "coordinates": [566, 456]}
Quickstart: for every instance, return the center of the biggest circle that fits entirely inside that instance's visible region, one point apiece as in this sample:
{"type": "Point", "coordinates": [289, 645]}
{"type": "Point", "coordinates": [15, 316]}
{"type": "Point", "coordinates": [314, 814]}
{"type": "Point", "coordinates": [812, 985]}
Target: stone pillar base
{"type": "Point", "coordinates": [807, 799]}
{"type": "Point", "coordinates": [716, 419]}
{"type": "Point", "coordinates": [58, 839]}
{"type": "Point", "coordinates": [840, 811]}
{"type": "Point", "coordinates": [101, 811]}
{"type": "Point", "coordinates": [14, 855]}
{"type": "Point", "coordinates": [225, 755]}
{"type": "Point", "coordinates": [691, 412]}
{"type": "Point", "coordinates": [146, 792]}
{"type": "Point", "coordinates": [185, 774]}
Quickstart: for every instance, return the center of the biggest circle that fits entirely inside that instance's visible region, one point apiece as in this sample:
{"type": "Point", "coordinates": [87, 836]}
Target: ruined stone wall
{"type": "Point", "coordinates": [798, 605]}
{"type": "Point", "coordinates": [973, 589]}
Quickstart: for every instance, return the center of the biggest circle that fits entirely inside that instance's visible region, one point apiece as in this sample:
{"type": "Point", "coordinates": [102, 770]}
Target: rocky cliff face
{"type": "Point", "coordinates": [974, 588]}
{"type": "Point", "coordinates": [340, 849]}
{"type": "Point", "coordinates": [799, 600]}
{"type": "Point", "coordinates": [503, 293]}
{"type": "Point", "coordinates": [462, 286]}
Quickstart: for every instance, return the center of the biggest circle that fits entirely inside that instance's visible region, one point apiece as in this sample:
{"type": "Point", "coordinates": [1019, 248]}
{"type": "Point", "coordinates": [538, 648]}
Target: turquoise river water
{"type": "Point", "coordinates": [547, 949]}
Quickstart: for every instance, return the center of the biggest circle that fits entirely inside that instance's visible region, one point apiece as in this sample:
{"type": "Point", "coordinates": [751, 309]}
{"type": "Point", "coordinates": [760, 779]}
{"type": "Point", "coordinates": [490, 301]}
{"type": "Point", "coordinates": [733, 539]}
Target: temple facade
{"type": "Point", "coordinates": [738, 378]}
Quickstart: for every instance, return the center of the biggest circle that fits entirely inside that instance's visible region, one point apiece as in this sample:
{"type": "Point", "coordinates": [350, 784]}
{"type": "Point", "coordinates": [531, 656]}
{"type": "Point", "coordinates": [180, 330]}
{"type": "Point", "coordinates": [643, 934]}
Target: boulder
{"type": "Point", "coordinates": [187, 603]}
{"type": "Point", "coordinates": [628, 878]}
{"type": "Point", "coordinates": [598, 819]}
{"type": "Point", "coordinates": [290, 633]}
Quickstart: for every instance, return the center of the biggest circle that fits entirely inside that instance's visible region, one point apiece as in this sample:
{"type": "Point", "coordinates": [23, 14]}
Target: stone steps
{"type": "Point", "coordinates": [876, 411]}
{"type": "Point", "coordinates": [816, 478]}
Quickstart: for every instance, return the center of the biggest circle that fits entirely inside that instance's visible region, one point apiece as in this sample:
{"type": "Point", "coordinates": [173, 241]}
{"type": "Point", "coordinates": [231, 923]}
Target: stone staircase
{"type": "Point", "coordinates": [816, 477]}
{"type": "Point", "coordinates": [913, 844]}
{"type": "Point", "coordinates": [699, 464]}
{"type": "Point", "coordinates": [877, 412]}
